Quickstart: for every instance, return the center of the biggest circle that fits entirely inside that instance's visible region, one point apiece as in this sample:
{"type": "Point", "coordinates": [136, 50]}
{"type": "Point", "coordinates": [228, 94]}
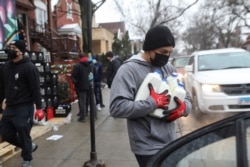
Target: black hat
{"type": "Point", "coordinates": [157, 37]}
{"type": "Point", "coordinates": [109, 54]}
{"type": "Point", "coordinates": [20, 44]}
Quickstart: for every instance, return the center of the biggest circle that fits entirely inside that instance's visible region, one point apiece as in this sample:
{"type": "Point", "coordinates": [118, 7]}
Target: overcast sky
{"type": "Point", "coordinates": [107, 12]}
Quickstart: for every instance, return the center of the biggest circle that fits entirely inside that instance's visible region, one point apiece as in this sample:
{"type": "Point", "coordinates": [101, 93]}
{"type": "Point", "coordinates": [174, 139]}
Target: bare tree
{"type": "Point", "coordinates": [201, 36]}
{"type": "Point", "coordinates": [142, 15]}
{"type": "Point", "coordinates": [239, 8]}
{"type": "Point", "coordinates": [83, 10]}
{"type": "Point", "coordinates": [215, 26]}
{"type": "Point", "coordinates": [226, 22]}
{"type": "Point", "coordinates": [84, 15]}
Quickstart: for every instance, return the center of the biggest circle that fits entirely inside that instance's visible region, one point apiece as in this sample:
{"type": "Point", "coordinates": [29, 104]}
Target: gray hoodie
{"type": "Point", "coordinates": [147, 134]}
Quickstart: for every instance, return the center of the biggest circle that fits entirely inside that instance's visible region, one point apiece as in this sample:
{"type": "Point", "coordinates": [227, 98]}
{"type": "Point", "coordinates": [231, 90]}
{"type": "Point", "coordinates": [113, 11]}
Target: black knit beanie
{"type": "Point", "coordinates": [157, 37]}
{"type": "Point", "coordinates": [109, 54]}
{"type": "Point", "coordinates": [20, 44]}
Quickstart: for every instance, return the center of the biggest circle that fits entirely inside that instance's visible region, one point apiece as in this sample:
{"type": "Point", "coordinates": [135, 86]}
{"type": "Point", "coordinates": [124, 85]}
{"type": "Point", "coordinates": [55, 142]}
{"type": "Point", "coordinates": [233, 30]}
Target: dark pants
{"type": "Point", "coordinates": [83, 101]}
{"type": "Point", "coordinates": [16, 123]}
{"type": "Point", "coordinates": [98, 93]}
{"type": "Point", "coordinates": [77, 94]}
{"type": "Point", "coordinates": [143, 159]}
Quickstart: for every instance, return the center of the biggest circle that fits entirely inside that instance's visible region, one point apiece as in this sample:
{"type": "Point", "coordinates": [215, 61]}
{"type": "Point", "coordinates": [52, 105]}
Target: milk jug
{"type": "Point", "coordinates": [153, 78]}
{"type": "Point", "coordinates": [158, 113]}
{"type": "Point", "coordinates": [180, 92]}
{"type": "Point", "coordinates": [172, 81]}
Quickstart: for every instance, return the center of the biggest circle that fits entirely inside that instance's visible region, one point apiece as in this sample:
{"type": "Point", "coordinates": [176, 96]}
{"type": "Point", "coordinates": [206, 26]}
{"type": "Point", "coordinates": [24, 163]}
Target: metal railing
{"type": "Point", "coordinates": [51, 40]}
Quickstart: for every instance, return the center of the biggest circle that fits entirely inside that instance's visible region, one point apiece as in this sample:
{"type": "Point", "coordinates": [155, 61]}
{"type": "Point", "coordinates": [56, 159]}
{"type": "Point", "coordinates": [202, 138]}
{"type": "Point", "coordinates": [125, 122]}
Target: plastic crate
{"type": "Point", "coordinates": [62, 110]}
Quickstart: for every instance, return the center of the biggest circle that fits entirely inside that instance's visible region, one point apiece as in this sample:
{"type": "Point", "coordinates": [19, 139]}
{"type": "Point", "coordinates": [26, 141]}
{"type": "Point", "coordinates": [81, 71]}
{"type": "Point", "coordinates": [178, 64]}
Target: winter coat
{"type": "Point", "coordinates": [80, 76]}
{"type": "Point", "coordinates": [21, 83]}
{"type": "Point", "coordinates": [97, 72]}
{"type": "Point", "coordinates": [113, 66]}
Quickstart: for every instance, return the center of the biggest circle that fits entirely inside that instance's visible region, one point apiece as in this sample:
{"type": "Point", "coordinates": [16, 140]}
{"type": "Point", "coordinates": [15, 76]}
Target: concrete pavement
{"type": "Point", "coordinates": [73, 149]}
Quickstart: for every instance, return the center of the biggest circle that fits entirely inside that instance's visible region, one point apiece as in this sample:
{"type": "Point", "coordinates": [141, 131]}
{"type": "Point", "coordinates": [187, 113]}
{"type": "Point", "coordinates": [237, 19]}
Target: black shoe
{"type": "Point", "coordinates": [81, 120]}
{"type": "Point", "coordinates": [78, 114]}
{"type": "Point", "coordinates": [102, 105]}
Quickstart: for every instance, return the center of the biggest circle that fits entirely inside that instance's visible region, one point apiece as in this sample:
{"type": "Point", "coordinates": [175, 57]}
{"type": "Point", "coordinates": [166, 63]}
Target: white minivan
{"type": "Point", "coordinates": [219, 80]}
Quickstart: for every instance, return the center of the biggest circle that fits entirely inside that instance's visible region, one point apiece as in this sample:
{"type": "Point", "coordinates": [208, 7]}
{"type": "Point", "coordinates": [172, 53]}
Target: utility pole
{"type": "Point", "coordinates": [93, 162]}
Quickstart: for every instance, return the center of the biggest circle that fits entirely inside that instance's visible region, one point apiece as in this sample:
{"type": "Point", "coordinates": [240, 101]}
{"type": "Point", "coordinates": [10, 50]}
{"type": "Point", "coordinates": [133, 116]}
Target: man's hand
{"type": "Point", "coordinates": [177, 112]}
{"type": "Point", "coordinates": [3, 104]}
{"type": "Point", "coordinates": [161, 99]}
{"type": "Point", "coordinates": [39, 114]}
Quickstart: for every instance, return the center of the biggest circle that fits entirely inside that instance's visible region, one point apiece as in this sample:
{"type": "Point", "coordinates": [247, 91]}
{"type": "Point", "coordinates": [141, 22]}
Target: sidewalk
{"type": "Point", "coordinates": [73, 149]}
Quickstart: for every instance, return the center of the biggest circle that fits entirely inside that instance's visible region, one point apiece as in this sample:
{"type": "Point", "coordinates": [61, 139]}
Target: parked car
{"type": "Point", "coordinates": [179, 63]}
{"type": "Point", "coordinates": [219, 80]}
{"type": "Point", "coordinates": [221, 144]}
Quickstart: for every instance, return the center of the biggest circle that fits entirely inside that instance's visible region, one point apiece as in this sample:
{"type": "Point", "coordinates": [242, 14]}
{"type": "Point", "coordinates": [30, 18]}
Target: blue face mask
{"type": "Point", "coordinates": [159, 60]}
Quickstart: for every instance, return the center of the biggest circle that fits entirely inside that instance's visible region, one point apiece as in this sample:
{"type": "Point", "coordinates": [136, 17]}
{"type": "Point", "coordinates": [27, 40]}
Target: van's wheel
{"type": "Point", "coordinates": [195, 107]}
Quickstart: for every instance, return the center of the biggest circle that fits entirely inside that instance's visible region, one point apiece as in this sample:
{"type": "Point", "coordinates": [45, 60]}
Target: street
{"type": "Point", "coordinates": [191, 123]}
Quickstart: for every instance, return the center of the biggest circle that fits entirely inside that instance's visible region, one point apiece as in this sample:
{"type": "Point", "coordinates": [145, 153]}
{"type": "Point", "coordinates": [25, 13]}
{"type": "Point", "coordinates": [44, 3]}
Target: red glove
{"type": "Point", "coordinates": [161, 99]}
{"type": "Point", "coordinates": [39, 114]}
{"type": "Point", "coordinates": [177, 112]}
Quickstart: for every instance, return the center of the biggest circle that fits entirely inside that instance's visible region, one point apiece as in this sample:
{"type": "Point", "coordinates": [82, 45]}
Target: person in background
{"type": "Point", "coordinates": [98, 73]}
{"type": "Point", "coordinates": [113, 66]}
{"type": "Point", "coordinates": [147, 135]}
{"type": "Point", "coordinates": [22, 91]}
{"type": "Point", "coordinates": [80, 78]}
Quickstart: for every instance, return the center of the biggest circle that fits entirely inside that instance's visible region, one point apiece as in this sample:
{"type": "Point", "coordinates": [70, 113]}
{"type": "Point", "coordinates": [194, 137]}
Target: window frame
{"type": "Point", "coordinates": [237, 125]}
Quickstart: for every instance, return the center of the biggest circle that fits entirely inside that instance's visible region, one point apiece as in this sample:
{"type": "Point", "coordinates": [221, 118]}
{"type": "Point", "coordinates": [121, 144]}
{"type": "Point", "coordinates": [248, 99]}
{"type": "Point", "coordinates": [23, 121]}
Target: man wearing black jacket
{"type": "Point", "coordinates": [113, 66]}
{"type": "Point", "coordinates": [80, 78]}
{"type": "Point", "coordinates": [22, 91]}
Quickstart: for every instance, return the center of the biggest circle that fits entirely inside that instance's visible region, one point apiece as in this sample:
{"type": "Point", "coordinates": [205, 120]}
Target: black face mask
{"type": "Point", "coordinates": [12, 54]}
{"type": "Point", "coordinates": [159, 60]}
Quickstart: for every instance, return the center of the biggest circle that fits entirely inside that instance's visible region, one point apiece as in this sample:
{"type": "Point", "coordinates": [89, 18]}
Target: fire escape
{"type": "Point", "coordinates": [60, 46]}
